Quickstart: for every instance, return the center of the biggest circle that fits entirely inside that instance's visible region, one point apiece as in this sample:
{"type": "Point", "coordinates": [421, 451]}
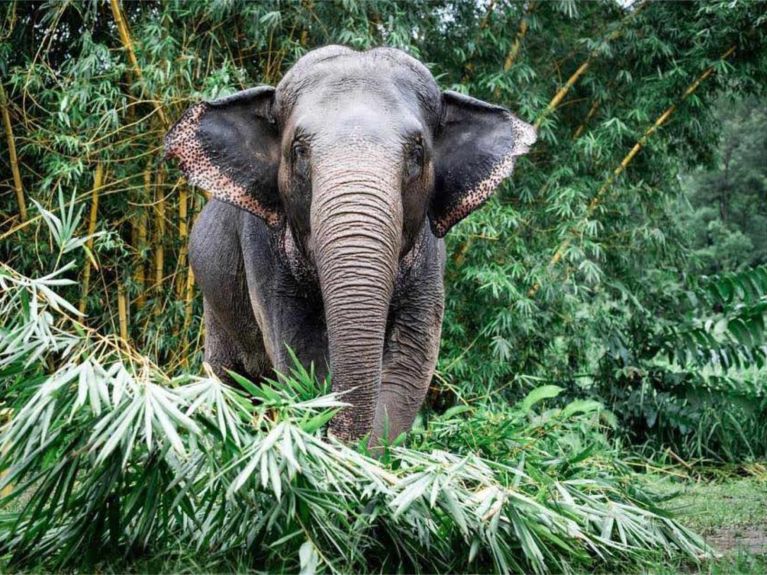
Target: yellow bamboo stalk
{"type": "Point", "coordinates": [98, 182]}
{"type": "Point", "coordinates": [183, 233]}
{"type": "Point", "coordinates": [159, 230]}
{"type": "Point", "coordinates": [188, 307]}
{"type": "Point", "coordinates": [628, 158]}
{"type": "Point", "coordinates": [562, 92]}
{"type": "Point", "coordinates": [17, 184]}
{"type": "Point", "coordinates": [122, 311]}
{"type": "Point", "coordinates": [580, 129]}
{"type": "Point", "coordinates": [581, 70]}
{"type": "Point", "coordinates": [518, 39]}
{"type": "Point", "coordinates": [127, 42]}
{"type": "Point", "coordinates": [139, 275]}
{"type": "Point", "coordinates": [5, 414]}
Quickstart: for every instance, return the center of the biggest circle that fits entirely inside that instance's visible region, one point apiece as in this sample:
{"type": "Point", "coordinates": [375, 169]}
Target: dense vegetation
{"type": "Point", "coordinates": [611, 299]}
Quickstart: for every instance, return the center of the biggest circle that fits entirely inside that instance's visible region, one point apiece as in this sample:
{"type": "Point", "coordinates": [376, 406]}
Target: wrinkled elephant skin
{"type": "Point", "coordinates": [333, 192]}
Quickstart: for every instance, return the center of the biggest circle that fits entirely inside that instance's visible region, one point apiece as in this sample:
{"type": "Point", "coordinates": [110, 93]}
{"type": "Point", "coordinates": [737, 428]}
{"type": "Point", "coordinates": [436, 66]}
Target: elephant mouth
{"type": "Point", "coordinates": [301, 267]}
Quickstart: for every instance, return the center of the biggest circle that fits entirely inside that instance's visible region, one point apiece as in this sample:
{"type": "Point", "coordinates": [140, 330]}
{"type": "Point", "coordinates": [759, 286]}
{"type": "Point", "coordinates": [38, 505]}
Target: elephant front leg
{"type": "Point", "coordinates": [408, 364]}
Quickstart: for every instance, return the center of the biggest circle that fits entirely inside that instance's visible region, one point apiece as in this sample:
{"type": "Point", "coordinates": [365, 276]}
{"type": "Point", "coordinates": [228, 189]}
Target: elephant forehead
{"type": "Point", "coordinates": [388, 77]}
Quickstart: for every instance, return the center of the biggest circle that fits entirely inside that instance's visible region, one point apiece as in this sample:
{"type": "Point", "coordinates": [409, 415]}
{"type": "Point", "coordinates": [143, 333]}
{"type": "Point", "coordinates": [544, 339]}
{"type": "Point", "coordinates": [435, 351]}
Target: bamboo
{"type": "Point", "coordinates": [122, 311]}
{"type": "Point", "coordinates": [562, 92]}
{"type": "Point", "coordinates": [582, 69]}
{"type": "Point", "coordinates": [140, 277]}
{"type": "Point", "coordinates": [183, 233]}
{"type": "Point", "coordinates": [580, 129]}
{"type": "Point", "coordinates": [127, 42]}
{"type": "Point", "coordinates": [188, 308]}
{"type": "Point", "coordinates": [518, 39]}
{"type": "Point", "coordinates": [17, 184]}
{"type": "Point", "coordinates": [8, 489]}
{"type": "Point", "coordinates": [98, 182]}
{"type": "Point", "coordinates": [628, 158]}
{"type": "Point", "coordinates": [469, 66]}
{"type": "Point", "coordinates": [159, 230]}
{"type": "Point", "coordinates": [141, 236]}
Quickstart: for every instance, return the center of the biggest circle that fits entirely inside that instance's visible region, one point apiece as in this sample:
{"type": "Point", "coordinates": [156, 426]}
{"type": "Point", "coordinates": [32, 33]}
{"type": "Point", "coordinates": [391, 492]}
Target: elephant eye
{"type": "Point", "coordinates": [299, 151]}
{"type": "Point", "coordinates": [414, 164]}
{"type": "Point", "coordinates": [299, 157]}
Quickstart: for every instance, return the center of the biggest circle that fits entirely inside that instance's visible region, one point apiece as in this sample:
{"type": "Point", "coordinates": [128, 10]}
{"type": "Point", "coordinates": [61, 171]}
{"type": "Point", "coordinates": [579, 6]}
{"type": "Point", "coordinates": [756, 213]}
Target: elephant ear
{"type": "Point", "coordinates": [230, 148]}
{"type": "Point", "coordinates": [474, 151]}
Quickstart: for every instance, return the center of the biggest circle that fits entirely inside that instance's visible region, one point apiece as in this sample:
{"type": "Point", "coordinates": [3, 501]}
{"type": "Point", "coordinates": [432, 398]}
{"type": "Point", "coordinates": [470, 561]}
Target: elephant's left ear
{"type": "Point", "coordinates": [474, 151]}
{"type": "Point", "coordinates": [231, 148]}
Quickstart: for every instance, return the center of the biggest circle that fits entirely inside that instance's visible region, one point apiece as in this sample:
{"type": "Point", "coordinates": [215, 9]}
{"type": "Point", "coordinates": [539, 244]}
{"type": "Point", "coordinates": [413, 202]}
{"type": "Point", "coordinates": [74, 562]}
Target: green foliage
{"type": "Point", "coordinates": [697, 383]}
{"type": "Point", "coordinates": [573, 287]}
{"type": "Point", "coordinates": [110, 457]}
{"type": "Point", "coordinates": [727, 212]}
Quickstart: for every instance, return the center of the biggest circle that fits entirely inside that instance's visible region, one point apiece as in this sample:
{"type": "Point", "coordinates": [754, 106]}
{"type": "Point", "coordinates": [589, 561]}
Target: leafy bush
{"type": "Point", "coordinates": [694, 380]}
{"type": "Point", "coordinates": [108, 457]}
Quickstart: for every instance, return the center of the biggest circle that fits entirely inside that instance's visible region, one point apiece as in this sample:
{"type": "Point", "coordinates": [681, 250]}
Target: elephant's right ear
{"type": "Point", "coordinates": [231, 148]}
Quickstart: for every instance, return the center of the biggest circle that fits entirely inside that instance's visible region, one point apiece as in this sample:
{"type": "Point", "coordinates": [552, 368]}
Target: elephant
{"type": "Point", "coordinates": [331, 195]}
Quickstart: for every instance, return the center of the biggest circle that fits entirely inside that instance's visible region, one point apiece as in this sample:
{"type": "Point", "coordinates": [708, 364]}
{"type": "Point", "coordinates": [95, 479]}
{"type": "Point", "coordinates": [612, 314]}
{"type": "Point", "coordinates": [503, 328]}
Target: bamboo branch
{"type": "Point", "coordinates": [628, 158]}
{"type": "Point", "coordinates": [98, 182]}
{"type": "Point", "coordinates": [14, 160]}
{"type": "Point", "coordinates": [581, 70]}
{"type": "Point", "coordinates": [127, 42]}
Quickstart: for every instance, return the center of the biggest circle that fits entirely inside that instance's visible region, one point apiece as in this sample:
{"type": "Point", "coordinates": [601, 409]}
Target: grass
{"type": "Point", "coordinates": [730, 512]}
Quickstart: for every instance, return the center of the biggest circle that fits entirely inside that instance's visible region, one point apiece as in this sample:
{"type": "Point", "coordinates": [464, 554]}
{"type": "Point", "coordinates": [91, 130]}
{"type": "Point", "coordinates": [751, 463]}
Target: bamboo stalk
{"type": "Point", "coordinates": [139, 276]}
{"type": "Point", "coordinates": [518, 39]}
{"type": "Point", "coordinates": [159, 230]}
{"type": "Point", "coordinates": [562, 92]}
{"type": "Point", "coordinates": [98, 182]}
{"type": "Point", "coordinates": [188, 308]}
{"type": "Point", "coordinates": [183, 233]}
{"type": "Point", "coordinates": [17, 184]}
{"type": "Point", "coordinates": [122, 311]}
{"type": "Point", "coordinates": [628, 158]}
{"type": "Point", "coordinates": [8, 489]}
{"type": "Point", "coordinates": [127, 42]}
{"type": "Point", "coordinates": [469, 66]}
{"type": "Point", "coordinates": [580, 129]}
{"type": "Point", "coordinates": [582, 69]}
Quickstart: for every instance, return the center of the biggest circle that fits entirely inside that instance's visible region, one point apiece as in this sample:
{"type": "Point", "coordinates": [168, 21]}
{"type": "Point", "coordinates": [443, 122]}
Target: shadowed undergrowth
{"type": "Point", "coordinates": [114, 459]}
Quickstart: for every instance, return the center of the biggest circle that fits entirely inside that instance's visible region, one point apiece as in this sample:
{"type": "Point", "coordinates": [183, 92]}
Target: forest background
{"type": "Point", "coordinates": [623, 266]}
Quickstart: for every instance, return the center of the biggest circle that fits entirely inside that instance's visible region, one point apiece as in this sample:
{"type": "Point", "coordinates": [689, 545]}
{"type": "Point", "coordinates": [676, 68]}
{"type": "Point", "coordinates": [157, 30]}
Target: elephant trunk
{"type": "Point", "coordinates": [356, 226]}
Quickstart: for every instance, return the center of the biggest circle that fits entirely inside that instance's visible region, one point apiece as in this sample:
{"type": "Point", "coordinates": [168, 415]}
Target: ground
{"type": "Point", "coordinates": [729, 509]}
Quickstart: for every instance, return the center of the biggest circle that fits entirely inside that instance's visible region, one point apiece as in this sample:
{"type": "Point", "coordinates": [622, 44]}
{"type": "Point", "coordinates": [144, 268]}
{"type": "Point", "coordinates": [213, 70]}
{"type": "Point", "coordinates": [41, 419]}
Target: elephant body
{"type": "Point", "coordinates": [259, 298]}
{"type": "Point", "coordinates": [333, 192]}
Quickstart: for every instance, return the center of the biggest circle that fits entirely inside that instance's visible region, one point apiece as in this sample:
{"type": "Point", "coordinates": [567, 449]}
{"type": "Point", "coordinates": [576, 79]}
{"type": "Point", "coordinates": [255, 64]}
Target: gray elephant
{"type": "Point", "coordinates": [335, 190]}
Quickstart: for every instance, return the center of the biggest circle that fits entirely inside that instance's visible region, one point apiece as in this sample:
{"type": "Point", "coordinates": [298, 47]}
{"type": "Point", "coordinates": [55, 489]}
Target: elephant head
{"type": "Point", "coordinates": [351, 155]}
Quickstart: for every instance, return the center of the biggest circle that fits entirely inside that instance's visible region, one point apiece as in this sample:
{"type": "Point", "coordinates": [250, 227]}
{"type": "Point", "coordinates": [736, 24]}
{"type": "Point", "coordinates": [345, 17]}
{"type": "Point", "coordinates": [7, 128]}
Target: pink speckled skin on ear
{"type": "Point", "coordinates": [470, 200]}
{"type": "Point", "coordinates": [184, 143]}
